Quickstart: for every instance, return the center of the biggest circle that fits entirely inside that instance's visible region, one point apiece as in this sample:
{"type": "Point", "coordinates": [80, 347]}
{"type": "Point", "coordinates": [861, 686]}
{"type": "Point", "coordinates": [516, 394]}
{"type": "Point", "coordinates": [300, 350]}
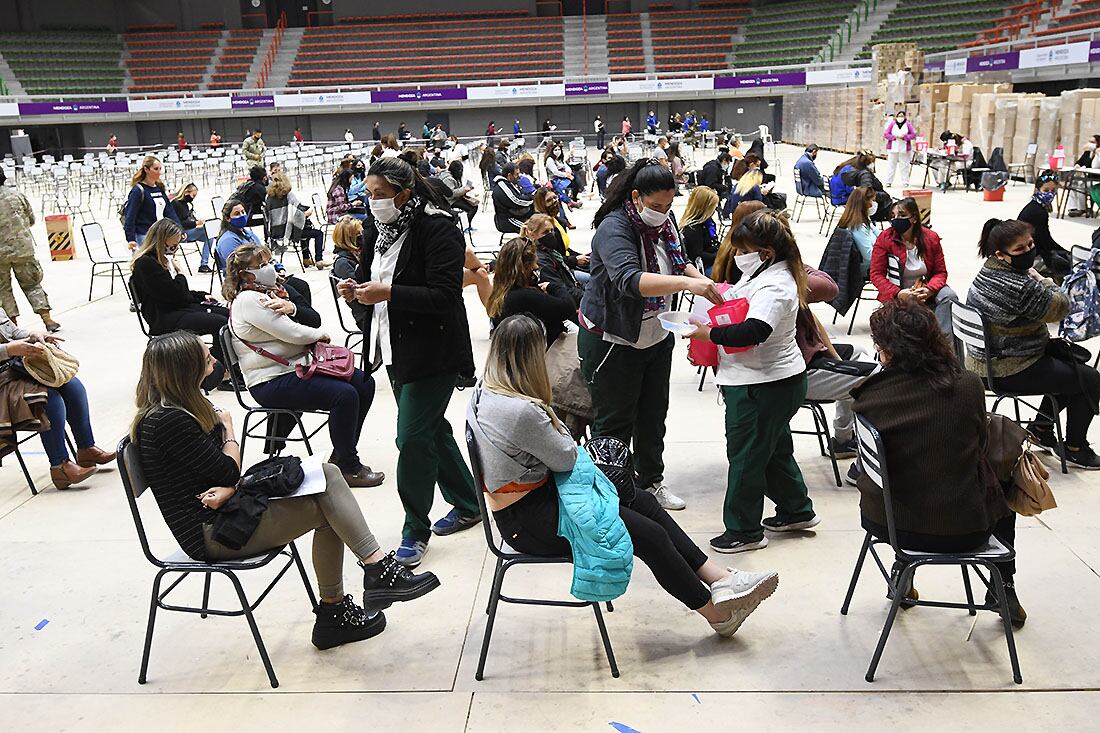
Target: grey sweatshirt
{"type": "Point", "coordinates": [516, 441]}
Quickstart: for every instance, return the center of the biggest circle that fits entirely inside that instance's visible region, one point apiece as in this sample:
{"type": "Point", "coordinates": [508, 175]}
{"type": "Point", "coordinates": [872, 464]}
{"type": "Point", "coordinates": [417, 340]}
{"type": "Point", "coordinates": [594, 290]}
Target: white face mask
{"type": "Point", "coordinates": [748, 264]}
{"type": "Point", "coordinates": [384, 210]}
{"type": "Point", "coordinates": [266, 275]}
{"type": "Point", "coordinates": [652, 217]}
{"type": "Point", "coordinates": [874, 209]}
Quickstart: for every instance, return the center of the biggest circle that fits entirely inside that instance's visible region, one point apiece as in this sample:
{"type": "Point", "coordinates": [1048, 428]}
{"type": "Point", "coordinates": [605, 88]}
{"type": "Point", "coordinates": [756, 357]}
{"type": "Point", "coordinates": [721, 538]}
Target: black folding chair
{"type": "Point", "coordinates": [970, 330]}
{"type": "Point", "coordinates": [96, 242]}
{"type": "Point", "coordinates": [16, 441]}
{"type": "Point", "coordinates": [507, 558]}
{"type": "Point", "coordinates": [134, 484]}
{"type": "Point", "coordinates": [872, 458]}
{"type": "Point", "coordinates": [265, 426]}
{"type": "Point", "coordinates": [821, 430]}
{"type": "Point", "coordinates": [353, 337]}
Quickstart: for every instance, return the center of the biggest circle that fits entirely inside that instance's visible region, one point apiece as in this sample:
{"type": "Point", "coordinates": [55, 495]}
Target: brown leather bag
{"type": "Point", "coordinates": [1016, 468]}
{"type": "Point", "coordinates": [1032, 494]}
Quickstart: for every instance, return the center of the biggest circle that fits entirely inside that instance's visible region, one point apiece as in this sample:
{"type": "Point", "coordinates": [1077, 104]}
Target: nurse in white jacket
{"type": "Point", "coordinates": [764, 386]}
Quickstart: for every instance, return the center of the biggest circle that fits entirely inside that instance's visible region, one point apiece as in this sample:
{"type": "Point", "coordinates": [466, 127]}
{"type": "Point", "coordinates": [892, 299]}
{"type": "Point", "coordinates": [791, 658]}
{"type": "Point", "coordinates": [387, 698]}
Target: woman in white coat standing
{"type": "Point", "coordinates": [899, 135]}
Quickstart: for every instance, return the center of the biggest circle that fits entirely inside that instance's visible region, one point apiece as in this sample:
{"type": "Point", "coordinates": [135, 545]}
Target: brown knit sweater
{"type": "Point", "coordinates": [933, 441]}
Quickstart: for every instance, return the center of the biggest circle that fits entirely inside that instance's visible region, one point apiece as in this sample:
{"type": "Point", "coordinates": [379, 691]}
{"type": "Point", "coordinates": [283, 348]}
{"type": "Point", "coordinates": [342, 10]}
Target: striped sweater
{"type": "Point", "coordinates": [181, 462]}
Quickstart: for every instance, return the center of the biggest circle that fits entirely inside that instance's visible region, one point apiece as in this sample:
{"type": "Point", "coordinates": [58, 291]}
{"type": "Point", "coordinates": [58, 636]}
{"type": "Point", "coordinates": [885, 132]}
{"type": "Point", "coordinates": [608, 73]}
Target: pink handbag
{"type": "Point", "coordinates": [727, 314]}
{"type": "Point", "coordinates": [328, 360]}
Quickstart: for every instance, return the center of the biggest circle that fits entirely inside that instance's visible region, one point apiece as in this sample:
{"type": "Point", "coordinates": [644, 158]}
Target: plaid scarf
{"type": "Point", "coordinates": [389, 233]}
{"type": "Point", "coordinates": [664, 235]}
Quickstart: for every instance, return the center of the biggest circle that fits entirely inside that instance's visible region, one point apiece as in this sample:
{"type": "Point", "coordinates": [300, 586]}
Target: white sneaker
{"type": "Point", "coordinates": [741, 593]}
{"type": "Point", "coordinates": [666, 498]}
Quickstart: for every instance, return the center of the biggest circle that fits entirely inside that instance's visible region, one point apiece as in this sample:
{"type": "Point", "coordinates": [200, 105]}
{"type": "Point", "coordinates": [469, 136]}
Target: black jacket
{"type": "Point", "coordinates": [714, 176]}
{"type": "Point", "coordinates": [345, 265]}
{"type": "Point", "coordinates": [700, 242]}
{"type": "Point", "coordinates": [429, 334]}
{"type": "Point", "coordinates": [842, 262]}
{"type": "Point", "coordinates": [162, 297]}
{"type": "Point", "coordinates": [252, 194]}
{"type": "Point", "coordinates": [1056, 257]}
{"type": "Point", "coordinates": [185, 211]}
{"type": "Point", "coordinates": [512, 206]}
{"type": "Point", "coordinates": [857, 177]}
{"type": "Point", "coordinates": [555, 268]}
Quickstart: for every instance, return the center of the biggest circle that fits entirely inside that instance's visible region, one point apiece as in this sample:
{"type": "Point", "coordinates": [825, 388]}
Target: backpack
{"type": "Point", "coordinates": [839, 191]}
{"type": "Point", "coordinates": [122, 209]}
{"type": "Point", "coordinates": [1083, 320]}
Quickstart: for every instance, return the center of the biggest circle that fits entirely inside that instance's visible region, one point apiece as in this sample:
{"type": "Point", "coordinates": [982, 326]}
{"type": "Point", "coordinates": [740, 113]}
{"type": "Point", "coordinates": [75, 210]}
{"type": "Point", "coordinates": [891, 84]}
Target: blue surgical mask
{"type": "Point", "coordinates": [239, 221]}
{"type": "Point", "coordinates": [1046, 198]}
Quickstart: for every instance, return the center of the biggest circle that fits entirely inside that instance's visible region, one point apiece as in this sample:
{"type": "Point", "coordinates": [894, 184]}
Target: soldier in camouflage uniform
{"type": "Point", "coordinates": [17, 255]}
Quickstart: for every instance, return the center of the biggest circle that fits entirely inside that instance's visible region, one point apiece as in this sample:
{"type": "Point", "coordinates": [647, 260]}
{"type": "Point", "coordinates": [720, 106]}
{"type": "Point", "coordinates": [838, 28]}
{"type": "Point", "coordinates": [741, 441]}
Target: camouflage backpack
{"type": "Point", "coordinates": [1083, 320]}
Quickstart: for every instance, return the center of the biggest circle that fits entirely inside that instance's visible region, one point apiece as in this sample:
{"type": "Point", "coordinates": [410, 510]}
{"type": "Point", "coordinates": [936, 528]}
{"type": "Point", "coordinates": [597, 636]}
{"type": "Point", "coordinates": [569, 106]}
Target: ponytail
{"type": "Point", "coordinates": [646, 176]}
{"type": "Point", "coordinates": [402, 176]}
{"type": "Point", "coordinates": [999, 234]}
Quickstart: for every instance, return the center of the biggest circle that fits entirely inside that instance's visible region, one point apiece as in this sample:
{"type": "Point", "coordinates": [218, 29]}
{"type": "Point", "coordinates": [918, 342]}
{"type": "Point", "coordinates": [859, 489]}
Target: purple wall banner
{"type": "Point", "coordinates": [253, 101]}
{"type": "Point", "coordinates": [934, 65]}
{"type": "Point", "coordinates": [417, 95]}
{"type": "Point", "coordinates": [580, 90]}
{"type": "Point", "coordinates": [69, 108]}
{"type": "Point", "coordinates": [786, 79]}
{"type": "Point", "coordinates": [1094, 51]}
{"type": "Point", "coordinates": [995, 62]}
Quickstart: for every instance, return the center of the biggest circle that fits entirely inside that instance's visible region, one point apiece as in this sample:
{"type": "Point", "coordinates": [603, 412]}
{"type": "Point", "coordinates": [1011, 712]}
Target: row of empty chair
{"type": "Point", "coordinates": [64, 62]}
{"type": "Point", "coordinates": [168, 61]}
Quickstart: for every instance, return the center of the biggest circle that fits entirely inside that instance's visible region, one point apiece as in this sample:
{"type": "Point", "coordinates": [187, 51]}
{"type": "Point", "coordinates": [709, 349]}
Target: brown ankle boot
{"type": "Point", "coordinates": [51, 325]}
{"type": "Point", "coordinates": [93, 456]}
{"type": "Point", "coordinates": [68, 474]}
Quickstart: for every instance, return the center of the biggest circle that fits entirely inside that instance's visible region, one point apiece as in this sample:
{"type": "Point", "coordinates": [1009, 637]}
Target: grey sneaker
{"type": "Point", "coordinates": [666, 498]}
{"type": "Point", "coordinates": [742, 593]}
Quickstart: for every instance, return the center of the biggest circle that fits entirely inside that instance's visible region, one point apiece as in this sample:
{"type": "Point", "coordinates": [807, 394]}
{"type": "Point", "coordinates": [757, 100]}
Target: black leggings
{"type": "Point", "coordinates": [531, 526]}
{"type": "Point", "coordinates": [1075, 386]}
{"type": "Point", "coordinates": [466, 206]}
{"type": "Point", "coordinates": [1004, 530]}
{"type": "Point", "coordinates": [202, 320]}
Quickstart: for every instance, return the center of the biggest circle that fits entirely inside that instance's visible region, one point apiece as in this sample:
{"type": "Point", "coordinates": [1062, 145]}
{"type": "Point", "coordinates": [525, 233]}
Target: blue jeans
{"type": "Point", "coordinates": [582, 276]}
{"type": "Point", "coordinates": [66, 404]}
{"type": "Point", "coordinates": [198, 234]}
{"type": "Point", "coordinates": [347, 404]}
{"type": "Point", "coordinates": [318, 238]}
{"type": "Point", "coordinates": [561, 185]}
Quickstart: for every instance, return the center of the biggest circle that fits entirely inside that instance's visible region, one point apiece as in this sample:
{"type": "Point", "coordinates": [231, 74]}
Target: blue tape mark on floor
{"type": "Point", "coordinates": [622, 728]}
{"type": "Point", "coordinates": [41, 624]}
{"type": "Point", "coordinates": [696, 696]}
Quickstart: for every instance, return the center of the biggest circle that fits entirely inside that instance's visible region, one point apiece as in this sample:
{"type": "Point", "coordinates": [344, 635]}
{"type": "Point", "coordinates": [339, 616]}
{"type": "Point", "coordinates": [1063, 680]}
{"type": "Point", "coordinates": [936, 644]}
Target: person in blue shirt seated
{"type": "Point", "coordinates": [235, 232]}
{"type": "Point", "coordinates": [527, 175]}
{"type": "Point", "coordinates": [857, 220]}
{"type": "Point", "coordinates": [813, 184]}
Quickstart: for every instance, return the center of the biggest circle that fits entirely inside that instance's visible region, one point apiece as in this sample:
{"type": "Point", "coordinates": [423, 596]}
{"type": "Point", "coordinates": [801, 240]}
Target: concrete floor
{"type": "Point", "coordinates": [72, 559]}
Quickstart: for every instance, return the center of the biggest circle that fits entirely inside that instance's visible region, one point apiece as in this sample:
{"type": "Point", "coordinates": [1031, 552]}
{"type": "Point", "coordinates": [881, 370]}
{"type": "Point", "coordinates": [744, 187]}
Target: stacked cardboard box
{"type": "Point", "coordinates": [832, 118]}
{"type": "Point", "coordinates": [930, 95]}
{"type": "Point", "coordinates": [1089, 125]}
{"type": "Point", "coordinates": [1005, 110]}
{"type": "Point", "coordinates": [1046, 139]}
{"type": "Point", "coordinates": [1027, 126]}
{"type": "Point", "coordinates": [940, 118]}
{"type": "Point", "coordinates": [886, 58]}
{"type": "Point", "coordinates": [1071, 119]}
{"type": "Point", "coordinates": [874, 122]}
{"type": "Point", "coordinates": [981, 121]}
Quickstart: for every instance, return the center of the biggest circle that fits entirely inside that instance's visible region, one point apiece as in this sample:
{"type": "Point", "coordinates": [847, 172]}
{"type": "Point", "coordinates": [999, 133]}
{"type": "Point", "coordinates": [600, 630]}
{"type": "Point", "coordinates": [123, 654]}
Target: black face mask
{"type": "Point", "coordinates": [188, 198]}
{"type": "Point", "coordinates": [1023, 261]}
{"type": "Point", "coordinates": [901, 226]}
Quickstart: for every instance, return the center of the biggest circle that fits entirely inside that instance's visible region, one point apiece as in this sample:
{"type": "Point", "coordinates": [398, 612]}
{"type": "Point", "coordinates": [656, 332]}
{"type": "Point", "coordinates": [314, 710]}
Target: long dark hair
{"type": "Point", "coordinates": [402, 176]}
{"type": "Point", "coordinates": [908, 332]}
{"type": "Point", "coordinates": [646, 176]}
{"type": "Point", "coordinates": [999, 234]}
{"type": "Point", "coordinates": [909, 205]}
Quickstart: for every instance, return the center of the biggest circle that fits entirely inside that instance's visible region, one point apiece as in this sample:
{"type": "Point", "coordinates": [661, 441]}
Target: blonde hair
{"type": "Point", "coordinates": [516, 365]}
{"type": "Point", "coordinates": [535, 223]}
{"type": "Point", "coordinates": [855, 210]}
{"type": "Point", "coordinates": [146, 164]}
{"type": "Point", "coordinates": [345, 235]}
{"type": "Point", "coordinates": [242, 258]}
{"type": "Point", "coordinates": [514, 262]}
{"type": "Point", "coordinates": [172, 370]}
{"type": "Point", "coordinates": [183, 189]}
{"type": "Point", "coordinates": [156, 239]}
{"type": "Point", "coordinates": [701, 205]}
{"type": "Point", "coordinates": [749, 180]}
{"type": "Point", "coordinates": [279, 186]}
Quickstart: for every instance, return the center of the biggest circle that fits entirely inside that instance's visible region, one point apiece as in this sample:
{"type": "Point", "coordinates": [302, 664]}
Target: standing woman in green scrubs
{"type": "Point", "coordinates": [637, 264]}
{"type": "Point", "coordinates": [764, 386]}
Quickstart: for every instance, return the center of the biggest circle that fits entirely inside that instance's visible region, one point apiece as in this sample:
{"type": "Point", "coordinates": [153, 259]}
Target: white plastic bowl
{"type": "Point", "coordinates": [679, 322]}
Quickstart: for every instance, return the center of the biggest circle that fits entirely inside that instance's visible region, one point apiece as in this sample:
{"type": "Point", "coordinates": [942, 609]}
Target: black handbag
{"type": "Point", "coordinates": [612, 457]}
{"type": "Point", "coordinates": [274, 477]}
{"type": "Point", "coordinates": [235, 522]}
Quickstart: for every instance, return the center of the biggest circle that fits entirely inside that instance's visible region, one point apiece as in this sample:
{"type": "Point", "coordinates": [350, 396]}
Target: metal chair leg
{"type": "Point", "coordinates": [302, 571]}
{"type": "Point", "coordinates": [606, 640]}
{"type": "Point", "coordinates": [149, 627]}
{"type": "Point", "coordinates": [828, 441]}
{"type": "Point", "coordinates": [496, 572]}
{"type": "Point", "coordinates": [205, 595]}
{"type": "Point", "coordinates": [895, 604]}
{"type": "Point", "coordinates": [969, 591]}
{"type": "Point", "coordinates": [255, 629]}
{"type": "Point", "coordinates": [1002, 602]}
{"type": "Point", "coordinates": [23, 465]}
{"type": "Point", "coordinates": [855, 309]}
{"type": "Point", "coordinates": [494, 601]}
{"type": "Point", "coordinates": [855, 573]}
{"type": "Point", "coordinates": [610, 608]}
{"type": "Point", "coordinates": [1056, 419]}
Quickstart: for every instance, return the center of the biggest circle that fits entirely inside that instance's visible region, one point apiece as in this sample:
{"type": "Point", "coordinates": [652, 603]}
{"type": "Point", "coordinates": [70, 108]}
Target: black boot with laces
{"type": "Point", "coordinates": [343, 623]}
{"type": "Point", "coordinates": [387, 581]}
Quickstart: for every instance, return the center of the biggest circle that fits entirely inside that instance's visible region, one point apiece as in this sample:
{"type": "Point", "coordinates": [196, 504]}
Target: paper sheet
{"type": "Point", "coordinates": [314, 482]}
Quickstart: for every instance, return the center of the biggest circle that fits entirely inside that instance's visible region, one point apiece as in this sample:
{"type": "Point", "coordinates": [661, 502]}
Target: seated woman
{"type": "Point", "coordinates": [288, 219]}
{"type": "Point", "coordinates": [676, 163]}
{"type": "Point", "coordinates": [339, 204]}
{"type": "Point", "coordinates": [916, 251]}
{"type": "Point", "coordinates": [1017, 304]}
{"type": "Point", "coordinates": [67, 404]}
{"type": "Point", "coordinates": [193, 227]}
{"type": "Point", "coordinates": [551, 267]}
{"type": "Point", "coordinates": [856, 220]}
{"type": "Point", "coordinates": [1036, 212]}
{"type": "Point", "coordinates": [521, 443]}
{"type": "Point", "coordinates": [234, 233]}
{"type": "Point", "coordinates": [192, 462]}
{"type": "Point", "coordinates": [347, 242]}
{"type": "Point", "coordinates": [167, 304]}
{"type": "Point", "coordinates": [252, 193]}
{"type": "Point", "coordinates": [559, 173]}
{"type": "Point", "coordinates": [516, 289]}
{"type": "Point", "coordinates": [941, 503]}
{"type": "Point", "coordinates": [260, 320]}
{"type": "Point", "coordinates": [860, 173]}
{"type": "Point", "coordinates": [460, 190]}
{"type": "Point", "coordinates": [549, 203]}
{"type": "Point", "coordinates": [700, 233]}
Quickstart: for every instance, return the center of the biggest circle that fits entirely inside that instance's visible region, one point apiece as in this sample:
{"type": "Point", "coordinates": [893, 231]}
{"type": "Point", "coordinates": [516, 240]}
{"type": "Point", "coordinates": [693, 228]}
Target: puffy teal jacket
{"type": "Point", "coordinates": [588, 518]}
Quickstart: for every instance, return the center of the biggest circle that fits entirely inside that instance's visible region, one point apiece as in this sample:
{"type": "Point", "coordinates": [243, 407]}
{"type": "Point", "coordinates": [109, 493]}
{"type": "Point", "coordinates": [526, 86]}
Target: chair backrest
{"type": "Point", "coordinates": [232, 365]}
{"type": "Point", "coordinates": [217, 202]}
{"type": "Point", "coordinates": [872, 461]}
{"type": "Point", "coordinates": [797, 181]}
{"type": "Point", "coordinates": [479, 489]}
{"type": "Point", "coordinates": [893, 270]}
{"type": "Point", "coordinates": [341, 305]}
{"type": "Point", "coordinates": [136, 300]}
{"type": "Point", "coordinates": [1079, 254]}
{"type": "Point", "coordinates": [134, 485]}
{"type": "Point", "coordinates": [1032, 149]}
{"type": "Point", "coordinates": [93, 235]}
{"type": "Point", "coordinates": [970, 331]}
